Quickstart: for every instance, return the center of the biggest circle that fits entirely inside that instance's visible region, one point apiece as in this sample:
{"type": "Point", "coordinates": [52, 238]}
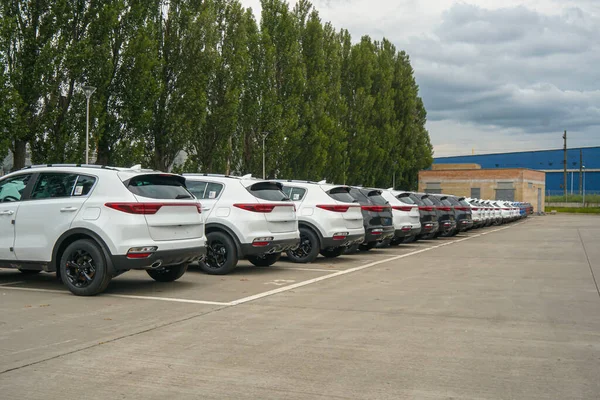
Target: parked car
{"type": "Point", "coordinates": [329, 219]}
{"type": "Point", "coordinates": [405, 214]}
{"type": "Point", "coordinates": [377, 216]}
{"type": "Point", "coordinates": [90, 223]}
{"type": "Point", "coordinates": [477, 212]}
{"type": "Point", "coordinates": [427, 214]}
{"type": "Point", "coordinates": [245, 218]}
{"type": "Point", "coordinates": [462, 212]}
{"type": "Point", "coordinates": [446, 217]}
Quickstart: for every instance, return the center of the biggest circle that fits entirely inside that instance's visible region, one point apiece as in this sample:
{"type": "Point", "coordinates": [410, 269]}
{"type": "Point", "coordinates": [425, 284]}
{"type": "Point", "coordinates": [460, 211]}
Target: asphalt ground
{"type": "Point", "coordinates": [496, 313]}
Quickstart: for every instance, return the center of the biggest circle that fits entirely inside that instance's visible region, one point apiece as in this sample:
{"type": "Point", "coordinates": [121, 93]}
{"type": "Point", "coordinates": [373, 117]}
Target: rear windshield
{"type": "Point", "coordinates": [452, 201]}
{"type": "Point", "coordinates": [428, 202]}
{"type": "Point", "coordinates": [447, 202]}
{"type": "Point", "coordinates": [464, 203]}
{"type": "Point", "coordinates": [270, 191]}
{"type": "Point", "coordinates": [376, 198]}
{"type": "Point", "coordinates": [434, 200]}
{"type": "Point", "coordinates": [416, 199]}
{"type": "Point", "coordinates": [405, 198]}
{"type": "Point", "coordinates": [158, 187]}
{"type": "Point", "coordinates": [342, 194]}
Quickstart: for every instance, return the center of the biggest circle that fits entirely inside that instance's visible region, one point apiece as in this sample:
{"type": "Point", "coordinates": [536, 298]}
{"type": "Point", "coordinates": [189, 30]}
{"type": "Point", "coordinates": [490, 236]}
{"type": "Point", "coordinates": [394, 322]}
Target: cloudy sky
{"type": "Point", "coordinates": [495, 75]}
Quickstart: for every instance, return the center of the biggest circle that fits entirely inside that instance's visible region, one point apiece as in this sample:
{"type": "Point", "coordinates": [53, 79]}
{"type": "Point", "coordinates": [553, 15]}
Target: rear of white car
{"type": "Point", "coordinates": [91, 223]}
{"type": "Point", "coordinates": [406, 217]}
{"type": "Point", "coordinates": [245, 218]}
{"type": "Point", "coordinates": [329, 220]}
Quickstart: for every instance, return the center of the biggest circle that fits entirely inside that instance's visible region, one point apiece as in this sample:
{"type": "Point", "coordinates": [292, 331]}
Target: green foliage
{"type": "Point", "coordinates": [202, 78]}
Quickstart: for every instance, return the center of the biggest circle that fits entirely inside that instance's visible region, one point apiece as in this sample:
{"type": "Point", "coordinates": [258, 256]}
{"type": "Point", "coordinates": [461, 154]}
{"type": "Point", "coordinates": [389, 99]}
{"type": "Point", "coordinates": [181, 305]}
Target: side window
{"type": "Point", "coordinates": [196, 188]}
{"type": "Point", "coordinates": [294, 193]}
{"type": "Point", "coordinates": [213, 190]}
{"type": "Point", "coordinates": [297, 194]}
{"type": "Point", "coordinates": [84, 185]}
{"type": "Point", "coordinates": [53, 185]}
{"type": "Point", "coordinates": [12, 189]}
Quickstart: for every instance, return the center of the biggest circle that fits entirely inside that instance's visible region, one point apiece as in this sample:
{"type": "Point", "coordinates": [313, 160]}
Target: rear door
{"type": "Point", "coordinates": [281, 212]}
{"type": "Point", "coordinates": [11, 193]}
{"type": "Point", "coordinates": [171, 212]}
{"type": "Point", "coordinates": [54, 202]}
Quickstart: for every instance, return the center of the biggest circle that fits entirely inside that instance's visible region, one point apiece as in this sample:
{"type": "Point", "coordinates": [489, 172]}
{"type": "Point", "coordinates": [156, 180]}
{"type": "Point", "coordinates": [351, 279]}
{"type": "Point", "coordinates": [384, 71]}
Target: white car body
{"type": "Point", "coordinates": [105, 205]}
{"type": "Point", "coordinates": [406, 217]}
{"type": "Point", "coordinates": [257, 226]}
{"type": "Point", "coordinates": [328, 217]}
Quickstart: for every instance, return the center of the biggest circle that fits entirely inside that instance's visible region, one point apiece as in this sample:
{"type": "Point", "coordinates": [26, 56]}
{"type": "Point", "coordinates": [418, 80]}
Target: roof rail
{"type": "Point", "coordinates": [72, 166]}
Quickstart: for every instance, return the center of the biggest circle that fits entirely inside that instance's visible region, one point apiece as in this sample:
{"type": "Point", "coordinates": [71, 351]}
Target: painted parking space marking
{"type": "Point", "coordinates": [11, 283]}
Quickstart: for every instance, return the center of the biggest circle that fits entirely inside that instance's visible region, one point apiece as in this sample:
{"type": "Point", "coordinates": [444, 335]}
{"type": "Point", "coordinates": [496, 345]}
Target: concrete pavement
{"type": "Point", "coordinates": [496, 314]}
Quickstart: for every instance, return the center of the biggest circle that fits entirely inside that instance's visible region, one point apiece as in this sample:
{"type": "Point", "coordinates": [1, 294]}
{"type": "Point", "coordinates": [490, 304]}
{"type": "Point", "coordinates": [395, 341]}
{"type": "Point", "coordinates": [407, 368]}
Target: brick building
{"type": "Point", "coordinates": [469, 180]}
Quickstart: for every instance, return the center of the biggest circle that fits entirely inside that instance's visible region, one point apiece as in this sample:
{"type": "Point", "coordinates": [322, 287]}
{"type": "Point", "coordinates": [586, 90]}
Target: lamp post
{"type": "Point", "coordinates": [583, 168]}
{"type": "Point", "coordinates": [88, 90]}
{"type": "Point", "coordinates": [264, 136]}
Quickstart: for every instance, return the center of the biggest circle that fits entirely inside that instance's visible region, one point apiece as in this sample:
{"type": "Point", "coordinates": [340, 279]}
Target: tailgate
{"type": "Point", "coordinates": [282, 219]}
{"type": "Point", "coordinates": [353, 218]}
{"type": "Point", "coordinates": [171, 212]}
{"type": "Point", "coordinates": [175, 221]}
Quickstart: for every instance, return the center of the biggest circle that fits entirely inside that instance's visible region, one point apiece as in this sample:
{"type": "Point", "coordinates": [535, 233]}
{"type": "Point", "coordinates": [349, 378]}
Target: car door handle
{"type": "Point", "coordinates": [68, 209]}
{"type": "Point", "coordinates": [7, 212]}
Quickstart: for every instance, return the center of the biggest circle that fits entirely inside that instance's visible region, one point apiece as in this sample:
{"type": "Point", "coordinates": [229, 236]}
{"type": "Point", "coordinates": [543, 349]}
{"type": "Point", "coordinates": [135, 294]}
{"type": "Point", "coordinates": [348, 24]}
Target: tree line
{"type": "Point", "coordinates": [205, 79]}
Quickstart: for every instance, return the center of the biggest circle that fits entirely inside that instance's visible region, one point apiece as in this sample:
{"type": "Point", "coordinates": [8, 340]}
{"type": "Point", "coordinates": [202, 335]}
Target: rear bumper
{"type": "Point", "coordinates": [350, 240]}
{"type": "Point", "coordinates": [388, 233]}
{"type": "Point", "coordinates": [159, 258]}
{"type": "Point", "coordinates": [276, 246]}
{"type": "Point", "coordinates": [429, 227]}
{"type": "Point", "coordinates": [465, 224]}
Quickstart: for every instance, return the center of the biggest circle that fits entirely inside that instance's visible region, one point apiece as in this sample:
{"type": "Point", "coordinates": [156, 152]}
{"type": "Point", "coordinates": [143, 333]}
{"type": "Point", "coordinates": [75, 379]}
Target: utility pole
{"type": "Point", "coordinates": [565, 165]}
{"type": "Point", "coordinates": [580, 171]}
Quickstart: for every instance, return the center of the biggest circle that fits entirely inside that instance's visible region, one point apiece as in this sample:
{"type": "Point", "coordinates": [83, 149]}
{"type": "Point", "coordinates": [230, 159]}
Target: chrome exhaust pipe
{"type": "Point", "coordinates": [156, 264]}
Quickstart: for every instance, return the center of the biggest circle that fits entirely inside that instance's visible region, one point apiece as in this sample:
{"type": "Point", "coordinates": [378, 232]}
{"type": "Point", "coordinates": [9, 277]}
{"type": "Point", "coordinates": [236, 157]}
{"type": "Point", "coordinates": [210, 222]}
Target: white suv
{"type": "Point", "coordinates": [245, 218]}
{"type": "Point", "coordinates": [329, 219]}
{"type": "Point", "coordinates": [91, 223]}
{"type": "Point", "coordinates": [407, 219]}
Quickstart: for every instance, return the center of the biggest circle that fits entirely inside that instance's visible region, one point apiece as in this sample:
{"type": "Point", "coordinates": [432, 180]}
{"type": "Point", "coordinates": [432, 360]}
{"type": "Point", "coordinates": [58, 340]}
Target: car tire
{"type": "Point", "coordinates": [168, 274]}
{"type": "Point", "coordinates": [332, 252]}
{"type": "Point", "coordinates": [367, 246]}
{"type": "Point", "coordinates": [308, 249]}
{"type": "Point", "coordinates": [29, 271]}
{"type": "Point", "coordinates": [221, 254]}
{"type": "Point", "coordinates": [265, 260]}
{"type": "Point", "coordinates": [83, 268]}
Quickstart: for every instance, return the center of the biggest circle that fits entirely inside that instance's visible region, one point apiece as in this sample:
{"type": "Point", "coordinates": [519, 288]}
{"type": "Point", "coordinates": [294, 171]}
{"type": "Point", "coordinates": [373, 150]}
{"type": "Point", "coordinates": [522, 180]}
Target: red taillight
{"type": "Point", "coordinates": [475, 209]}
{"type": "Point", "coordinates": [426, 208]}
{"type": "Point", "coordinates": [334, 207]}
{"type": "Point", "coordinates": [375, 208]}
{"type": "Point", "coordinates": [402, 208]}
{"type": "Point", "coordinates": [148, 208]}
{"type": "Point", "coordinates": [261, 208]}
{"type": "Point", "coordinates": [461, 208]}
{"type": "Point", "coordinates": [506, 209]}
{"type": "Point", "coordinates": [444, 208]}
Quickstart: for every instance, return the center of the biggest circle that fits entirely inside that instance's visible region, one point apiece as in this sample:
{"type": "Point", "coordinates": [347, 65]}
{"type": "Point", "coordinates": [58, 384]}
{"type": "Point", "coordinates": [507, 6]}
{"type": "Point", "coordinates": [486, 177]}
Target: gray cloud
{"type": "Point", "coordinates": [511, 69]}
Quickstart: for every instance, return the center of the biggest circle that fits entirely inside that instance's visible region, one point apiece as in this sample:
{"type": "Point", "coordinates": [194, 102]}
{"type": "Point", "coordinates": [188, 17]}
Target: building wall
{"type": "Point", "coordinates": [460, 182]}
{"type": "Point", "coordinates": [549, 161]}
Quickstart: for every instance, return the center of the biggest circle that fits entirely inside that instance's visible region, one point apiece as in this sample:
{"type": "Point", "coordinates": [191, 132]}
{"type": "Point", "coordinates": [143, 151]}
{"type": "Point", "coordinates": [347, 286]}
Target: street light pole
{"type": "Point", "coordinates": [264, 136]}
{"type": "Point", "coordinates": [88, 90]}
{"type": "Point", "coordinates": [583, 185]}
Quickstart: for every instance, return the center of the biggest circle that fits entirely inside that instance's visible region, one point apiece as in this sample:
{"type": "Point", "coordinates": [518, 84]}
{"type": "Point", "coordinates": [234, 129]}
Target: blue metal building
{"type": "Point", "coordinates": [548, 161]}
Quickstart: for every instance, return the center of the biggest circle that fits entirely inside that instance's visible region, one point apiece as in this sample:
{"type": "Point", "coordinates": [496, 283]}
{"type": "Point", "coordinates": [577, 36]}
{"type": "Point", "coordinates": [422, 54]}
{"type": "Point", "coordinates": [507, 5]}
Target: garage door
{"type": "Point", "coordinates": [505, 194]}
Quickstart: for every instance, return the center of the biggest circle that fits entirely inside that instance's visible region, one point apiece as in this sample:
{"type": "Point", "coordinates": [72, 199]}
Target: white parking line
{"type": "Point", "coordinates": [301, 269]}
{"type": "Point", "coordinates": [125, 296]}
{"type": "Point", "coordinates": [11, 283]}
{"type": "Point", "coordinates": [351, 270]}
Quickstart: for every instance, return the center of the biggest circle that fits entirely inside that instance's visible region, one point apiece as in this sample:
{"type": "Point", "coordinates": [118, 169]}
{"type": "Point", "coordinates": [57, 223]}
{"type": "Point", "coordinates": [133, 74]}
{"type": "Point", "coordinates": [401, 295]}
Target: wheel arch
{"type": "Point", "coordinates": [215, 227]}
{"type": "Point", "coordinates": [314, 229]}
{"type": "Point", "coordinates": [78, 234]}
